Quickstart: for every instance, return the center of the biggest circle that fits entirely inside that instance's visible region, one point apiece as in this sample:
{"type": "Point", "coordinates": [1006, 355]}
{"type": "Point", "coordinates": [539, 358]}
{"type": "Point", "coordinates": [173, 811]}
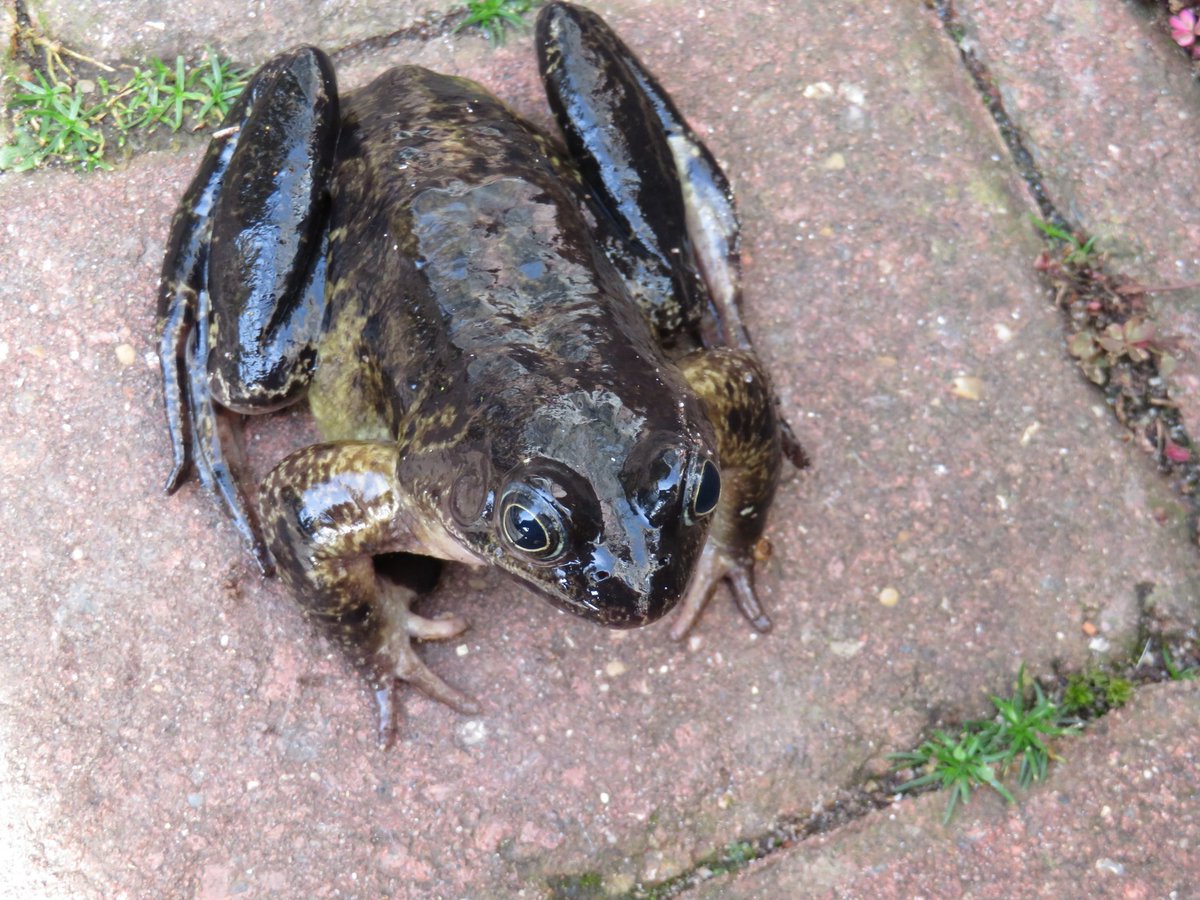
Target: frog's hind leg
{"type": "Point", "coordinates": [738, 400]}
{"type": "Point", "coordinates": [678, 251]}
{"type": "Point", "coordinates": [651, 173]}
{"type": "Point", "coordinates": [241, 296]}
{"type": "Point", "coordinates": [216, 446]}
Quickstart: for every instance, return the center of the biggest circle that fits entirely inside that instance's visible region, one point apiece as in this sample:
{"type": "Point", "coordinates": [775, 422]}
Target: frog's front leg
{"type": "Point", "coordinates": [328, 510]}
{"type": "Point", "coordinates": [738, 401]}
{"type": "Point", "coordinates": [241, 294]}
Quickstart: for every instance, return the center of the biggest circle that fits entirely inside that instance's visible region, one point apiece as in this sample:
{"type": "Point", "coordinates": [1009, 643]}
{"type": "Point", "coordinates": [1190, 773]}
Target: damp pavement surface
{"type": "Point", "coordinates": [170, 726]}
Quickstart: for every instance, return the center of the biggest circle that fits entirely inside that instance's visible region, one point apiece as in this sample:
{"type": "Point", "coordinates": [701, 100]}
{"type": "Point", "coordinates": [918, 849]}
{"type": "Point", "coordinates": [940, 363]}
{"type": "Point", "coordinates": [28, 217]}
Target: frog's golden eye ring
{"type": "Point", "coordinates": [531, 525]}
{"type": "Point", "coordinates": [708, 490]}
{"type": "Point", "coordinates": [521, 526]}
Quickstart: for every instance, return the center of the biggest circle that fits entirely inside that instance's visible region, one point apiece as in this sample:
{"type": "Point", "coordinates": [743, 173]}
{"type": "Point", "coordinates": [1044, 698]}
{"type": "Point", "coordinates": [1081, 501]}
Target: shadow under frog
{"type": "Point", "coordinates": [516, 357]}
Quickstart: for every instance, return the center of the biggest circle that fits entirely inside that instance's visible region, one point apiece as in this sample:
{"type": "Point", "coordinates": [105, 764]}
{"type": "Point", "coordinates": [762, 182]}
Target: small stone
{"type": "Point", "coordinates": [1089, 629]}
{"type": "Point", "coordinates": [1104, 864]}
{"type": "Point", "coordinates": [126, 355]}
{"type": "Point", "coordinates": [967, 386]}
{"type": "Point", "coordinates": [889, 596]}
{"type": "Point", "coordinates": [846, 649]}
{"type": "Point", "coordinates": [472, 732]}
{"type": "Point", "coordinates": [614, 668]}
{"type": "Point", "coordinates": [834, 162]}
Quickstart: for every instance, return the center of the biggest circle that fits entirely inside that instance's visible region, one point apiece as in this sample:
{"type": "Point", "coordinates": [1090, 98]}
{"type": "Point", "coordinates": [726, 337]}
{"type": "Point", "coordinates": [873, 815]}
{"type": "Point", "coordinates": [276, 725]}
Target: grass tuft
{"type": "Point", "coordinates": [495, 17]}
{"type": "Point", "coordinates": [983, 752]}
{"type": "Point", "coordinates": [60, 118]}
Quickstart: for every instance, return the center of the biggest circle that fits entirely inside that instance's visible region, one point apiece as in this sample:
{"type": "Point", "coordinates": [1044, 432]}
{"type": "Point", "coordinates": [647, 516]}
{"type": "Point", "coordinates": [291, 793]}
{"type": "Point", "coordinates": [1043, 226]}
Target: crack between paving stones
{"type": "Point", "coordinates": [1144, 666]}
{"type": "Point", "coordinates": [1094, 302]}
{"type": "Point", "coordinates": [424, 29]}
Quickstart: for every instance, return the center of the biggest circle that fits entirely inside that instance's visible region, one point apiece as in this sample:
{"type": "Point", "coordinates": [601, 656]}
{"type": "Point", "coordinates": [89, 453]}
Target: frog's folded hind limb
{"type": "Point", "coordinates": [218, 452]}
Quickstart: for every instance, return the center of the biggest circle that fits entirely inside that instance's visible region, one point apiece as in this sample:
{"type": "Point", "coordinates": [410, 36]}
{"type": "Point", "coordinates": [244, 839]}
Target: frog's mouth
{"type": "Point", "coordinates": [612, 592]}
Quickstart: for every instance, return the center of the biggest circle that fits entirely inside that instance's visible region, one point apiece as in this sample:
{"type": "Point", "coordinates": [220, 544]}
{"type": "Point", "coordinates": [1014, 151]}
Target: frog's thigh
{"type": "Point", "coordinates": [647, 165]}
{"type": "Point", "coordinates": [739, 402]}
{"type": "Point", "coordinates": [327, 510]}
{"type": "Point", "coordinates": [266, 268]}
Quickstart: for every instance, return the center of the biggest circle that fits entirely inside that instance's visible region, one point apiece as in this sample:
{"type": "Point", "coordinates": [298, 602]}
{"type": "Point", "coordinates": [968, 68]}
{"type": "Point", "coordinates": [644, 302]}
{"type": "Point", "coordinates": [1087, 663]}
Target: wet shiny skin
{"type": "Point", "coordinates": [515, 358]}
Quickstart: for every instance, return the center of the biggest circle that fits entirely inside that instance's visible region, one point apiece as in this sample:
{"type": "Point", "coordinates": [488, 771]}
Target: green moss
{"type": "Point", "coordinates": [584, 886]}
{"type": "Point", "coordinates": [1091, 694]}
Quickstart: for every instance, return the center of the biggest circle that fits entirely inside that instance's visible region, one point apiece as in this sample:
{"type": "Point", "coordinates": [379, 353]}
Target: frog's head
{"type": "Point", "coordinates": [609, 518]}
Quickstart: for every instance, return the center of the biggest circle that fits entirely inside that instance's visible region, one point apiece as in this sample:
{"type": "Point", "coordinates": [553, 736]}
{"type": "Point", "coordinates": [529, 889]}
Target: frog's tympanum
{"type": "Point", "coordinates": [516, 356]}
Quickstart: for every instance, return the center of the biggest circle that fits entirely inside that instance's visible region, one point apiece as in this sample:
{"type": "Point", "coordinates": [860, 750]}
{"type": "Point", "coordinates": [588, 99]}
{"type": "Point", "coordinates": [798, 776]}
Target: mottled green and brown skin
{"type": "Point", "coordinates": [493, 380]}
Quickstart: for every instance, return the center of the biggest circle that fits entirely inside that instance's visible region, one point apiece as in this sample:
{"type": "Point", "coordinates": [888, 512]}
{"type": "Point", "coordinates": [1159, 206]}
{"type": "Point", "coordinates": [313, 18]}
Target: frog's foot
{"type": "Point", "coordinates": [718, 564]}
{"type": "Point", "coordinates": [396, 660]}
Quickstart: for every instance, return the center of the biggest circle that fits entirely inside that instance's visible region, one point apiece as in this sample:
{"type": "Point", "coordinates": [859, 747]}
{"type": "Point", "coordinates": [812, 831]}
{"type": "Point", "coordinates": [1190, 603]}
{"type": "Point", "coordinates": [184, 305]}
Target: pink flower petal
{"type": "Point", "coordinates": [1184, 27]}
{"type": "Point", "coordinates": [1176, 453]}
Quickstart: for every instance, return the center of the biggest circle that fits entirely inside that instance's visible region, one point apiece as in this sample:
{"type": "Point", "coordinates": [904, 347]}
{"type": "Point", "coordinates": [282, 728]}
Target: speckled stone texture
{"type": "Point", "coordinates": [169, 726]}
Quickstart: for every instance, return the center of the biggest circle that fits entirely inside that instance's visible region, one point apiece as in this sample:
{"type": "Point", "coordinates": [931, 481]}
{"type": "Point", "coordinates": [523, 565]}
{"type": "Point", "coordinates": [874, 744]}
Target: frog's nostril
{"type": "Point", "coordinates": [601, 567]}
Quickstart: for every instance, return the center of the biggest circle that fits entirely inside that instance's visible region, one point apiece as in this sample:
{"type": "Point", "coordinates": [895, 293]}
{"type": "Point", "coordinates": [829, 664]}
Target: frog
{"type": "Point", "coordinates": [520, 352]}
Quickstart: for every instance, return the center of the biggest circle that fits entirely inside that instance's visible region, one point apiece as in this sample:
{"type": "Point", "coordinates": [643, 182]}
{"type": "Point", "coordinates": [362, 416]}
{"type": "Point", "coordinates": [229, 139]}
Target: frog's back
{"type": "Point", "coordinates": [460, 256]}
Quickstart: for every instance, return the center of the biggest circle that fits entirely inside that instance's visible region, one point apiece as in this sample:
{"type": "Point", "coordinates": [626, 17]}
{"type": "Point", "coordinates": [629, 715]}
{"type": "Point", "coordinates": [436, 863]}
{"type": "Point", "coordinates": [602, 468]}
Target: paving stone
{"type": "Point", "coordinates": [970, 508]}
{"type": "Point", "coordinates": [249, 33]}
{"type": "Point", "coordinates": [1110, 110]}
{"type": "Point", "coordinates": [1119, 817]}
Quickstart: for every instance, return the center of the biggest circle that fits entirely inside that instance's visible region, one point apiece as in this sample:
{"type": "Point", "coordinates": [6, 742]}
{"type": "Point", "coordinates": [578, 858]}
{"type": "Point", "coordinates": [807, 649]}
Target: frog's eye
{"type": "Point", "coordinates": [708, 490]}
{"type": "Point", "coordinates": [531, 524]}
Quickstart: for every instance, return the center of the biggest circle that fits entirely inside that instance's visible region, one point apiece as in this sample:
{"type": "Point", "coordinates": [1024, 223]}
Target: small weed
{"type": "Point", "coordinates": [1019, 731]}
{"type": "Point", "coordinates": [734, 856]}
{"type": "Point", "coordinates": [983, 751]}
{"type": "Point", "coordinates": [495, 17]}
{"type": "Point", "coordinates": [1133, 339]}
{"type": "Point", "coordinates": [1174, 672]}
{"type": "Point", "coordinates": [1078, 252]}
{"type": "Point", "coordinates": [59, 117]}
{"type": "Point", "coordinates": [958, 763]}
{"type": "Point", "coordinates": [53, 121]}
